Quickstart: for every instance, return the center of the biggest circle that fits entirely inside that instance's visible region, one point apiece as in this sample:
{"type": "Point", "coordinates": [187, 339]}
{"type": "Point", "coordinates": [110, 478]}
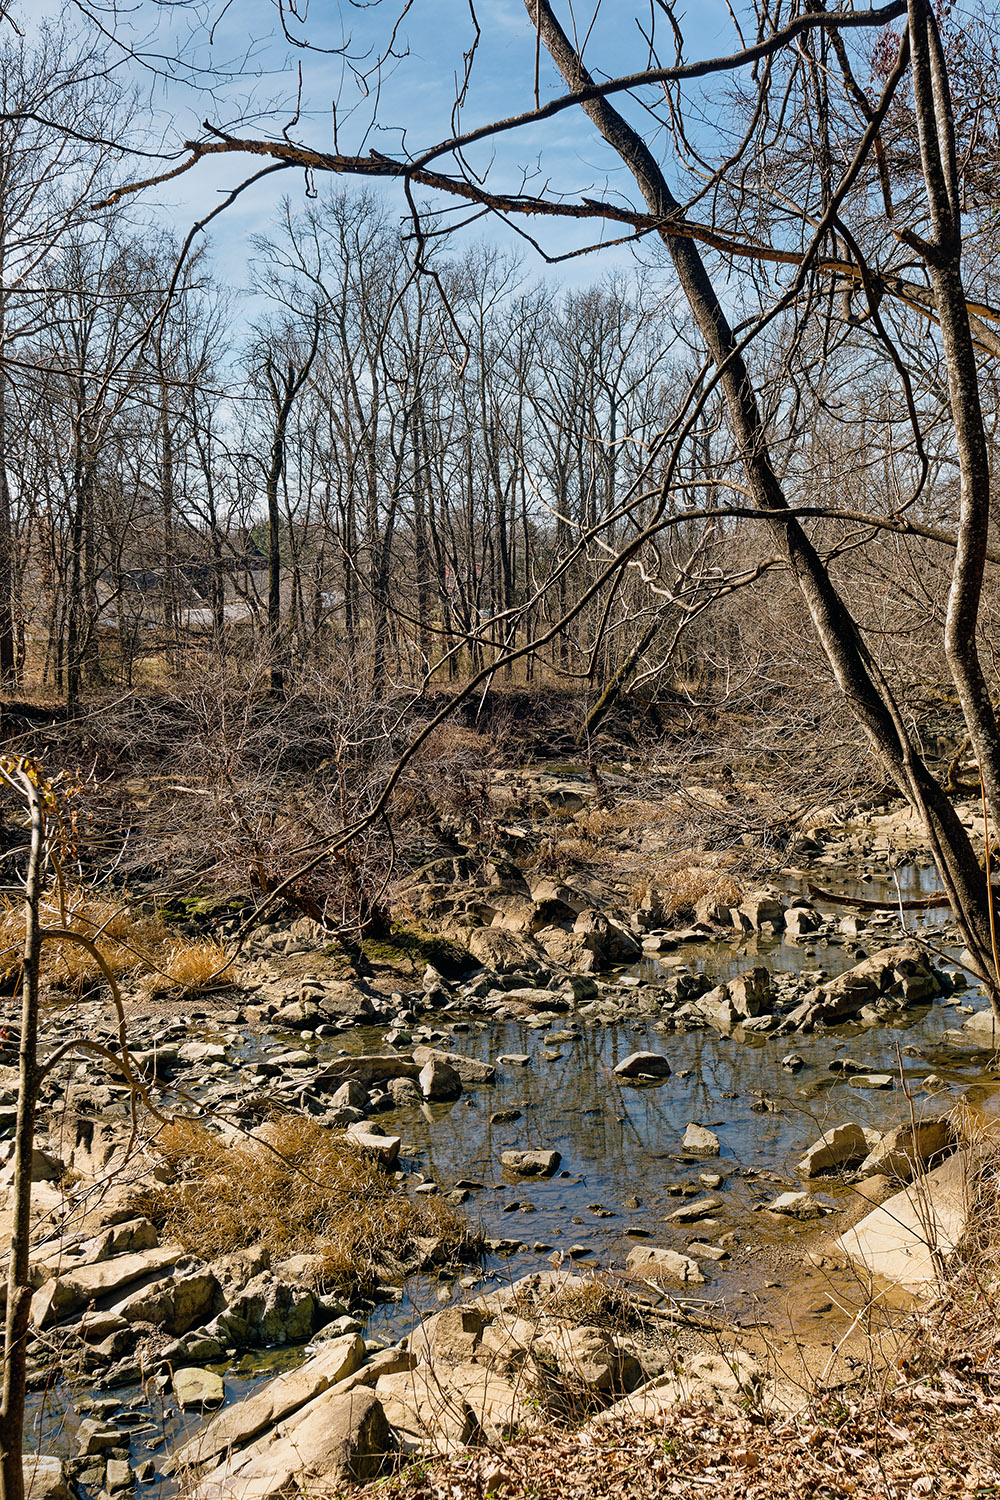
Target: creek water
{"type": "Point", "coordinates": [623, 1168]}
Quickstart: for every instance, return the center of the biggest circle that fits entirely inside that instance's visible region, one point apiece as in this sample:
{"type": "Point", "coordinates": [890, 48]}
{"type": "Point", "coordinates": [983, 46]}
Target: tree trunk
{"type": "Point", "coordinates": [18, 1289]}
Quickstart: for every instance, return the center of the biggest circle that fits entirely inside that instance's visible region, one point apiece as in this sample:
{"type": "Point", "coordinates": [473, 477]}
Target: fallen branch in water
{"type": "Point", "coordinates": [891, 903]}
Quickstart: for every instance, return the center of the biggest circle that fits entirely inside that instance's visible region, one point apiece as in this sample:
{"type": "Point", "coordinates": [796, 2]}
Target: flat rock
{"type": "Point", "coordinates": [202, 1052]}
{"type": "Point", "coordinates": [799, 1206]}
{"type": "Point", "coordinates": [643, 1065]}
{"type": "Point", "coordinates": [239, 1424]}
{"type": "Point", "coordinates": [368, 1068]}
{"type": "Point", "coordinates": [909, 1237]}
{"type": "Point", "coordinates": [195, 1387]}
{"type": "Point", "coordinates": [700, 1142]}
{"type": "Point", "coordinates": [72, 1291]}
{"type": "Point", "coordinates": [700, 1208]}
{"type": "Point", "coordinates": [337, 1439]}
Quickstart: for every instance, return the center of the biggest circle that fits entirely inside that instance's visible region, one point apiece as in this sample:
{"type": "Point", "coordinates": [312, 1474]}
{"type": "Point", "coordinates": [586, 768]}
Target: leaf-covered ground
{"type": "Point", "coordinates": [929, 1426]}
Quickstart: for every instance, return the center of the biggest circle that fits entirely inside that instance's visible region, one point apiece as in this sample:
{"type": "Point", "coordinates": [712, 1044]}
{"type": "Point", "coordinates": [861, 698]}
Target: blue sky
{"type": "Point", "coordinates": [417, 93]}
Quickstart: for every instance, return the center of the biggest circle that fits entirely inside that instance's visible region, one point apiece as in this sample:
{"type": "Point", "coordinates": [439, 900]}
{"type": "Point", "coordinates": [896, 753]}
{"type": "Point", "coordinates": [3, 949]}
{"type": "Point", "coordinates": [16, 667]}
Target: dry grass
{"type": "Point", "coordinates": [133, 944]}
{"type": "Point", "coordinates": [298, 1187]}
{"type": "Point", "coordinates": [597, 1300]}
{"type": "Point", "coordinates": [679, 888]}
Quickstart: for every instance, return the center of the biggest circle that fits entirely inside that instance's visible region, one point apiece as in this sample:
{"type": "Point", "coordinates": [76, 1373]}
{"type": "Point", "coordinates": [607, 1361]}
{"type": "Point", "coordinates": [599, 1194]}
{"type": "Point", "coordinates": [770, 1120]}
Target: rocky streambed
{"type": "Point", "coordinates": [651, 1119]}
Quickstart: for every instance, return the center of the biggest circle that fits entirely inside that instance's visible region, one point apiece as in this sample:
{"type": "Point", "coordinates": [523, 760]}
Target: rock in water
{"type": "Point", "coordinates": [531, 1163]}
{"type": "Point", "coordinates": [643, 1065]}
{"type": "Point", "coordinates": [198, 1388]}
{"type": "Point", "coordinates": [700, 1142]}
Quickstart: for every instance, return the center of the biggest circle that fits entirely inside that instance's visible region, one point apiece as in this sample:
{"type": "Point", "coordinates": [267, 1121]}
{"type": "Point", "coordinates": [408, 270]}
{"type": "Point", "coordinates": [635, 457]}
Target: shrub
{"type": "Point", "coordinates": [296, 1186]}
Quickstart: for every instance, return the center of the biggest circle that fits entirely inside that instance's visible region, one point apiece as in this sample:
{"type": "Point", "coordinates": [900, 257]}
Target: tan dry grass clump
{"type": "Point", "coordinates": [134, 944]}
{"type": "Point", "coordinates": [298, 1187]}
{"type": "Point", "coordinates": [597, 1300]}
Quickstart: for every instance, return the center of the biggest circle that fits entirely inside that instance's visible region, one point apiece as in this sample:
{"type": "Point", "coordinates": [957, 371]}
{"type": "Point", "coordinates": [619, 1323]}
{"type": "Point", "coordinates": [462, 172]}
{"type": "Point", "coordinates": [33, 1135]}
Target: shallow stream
{"type": "Point", "coordinates": [621, 1145]}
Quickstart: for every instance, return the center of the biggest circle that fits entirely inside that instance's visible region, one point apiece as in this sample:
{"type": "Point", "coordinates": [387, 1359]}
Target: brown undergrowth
{"type": "Point", "coordinates": [133, 944]}
{"type": "Point", "coordinates": [298, 1187]}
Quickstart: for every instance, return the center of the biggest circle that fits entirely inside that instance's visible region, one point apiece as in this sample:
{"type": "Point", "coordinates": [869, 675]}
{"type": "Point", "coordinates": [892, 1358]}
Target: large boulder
{"type": "Point", "coordinates": [737, 1000]}
{"type": "Point", "coordinates": [901, 974]}
{"type": "Point", "coordinates": [267, 1311]}
{"type": "Point", "coordinates": [609, 942]}
{"type": "Point", "coordinates": [844, 1145]}
{"type": "Point", "coordinates": [340, 1000]}
{"type": "Point", "coordinates": [910, 1149]}
{"type": "Point", "coordinates": [175, 1305]}
{"type": "Point", "coordinates": [424, 1414]}
{"type": "Point", "coordinates": [339, 1438]}
{"type": "Point", "coordinates": [587, 1359]}
{"type": "Point", "coordinates": [240, 1423]}
{"type": "Point", "coordinates": [504, 952]}
{"type": "Point", "coordinates": [571, 950]}
{"type": "Point", "coordinates": [908, 1239]}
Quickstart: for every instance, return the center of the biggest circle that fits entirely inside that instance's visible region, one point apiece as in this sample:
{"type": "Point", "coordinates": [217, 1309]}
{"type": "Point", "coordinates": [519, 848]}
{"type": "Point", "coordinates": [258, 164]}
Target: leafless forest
{"type": "Point", "coordinates": [498, 555]}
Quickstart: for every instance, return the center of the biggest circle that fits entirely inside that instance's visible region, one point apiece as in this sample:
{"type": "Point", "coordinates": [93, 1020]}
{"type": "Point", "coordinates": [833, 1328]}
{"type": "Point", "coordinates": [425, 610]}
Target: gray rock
{"type": "Point", "coordinates": [531, 1163]}
{"type": "Point", "coordinates": [700, 1142]}
{"type": "Point", "coordinates": [301, 1015]}
{"type": "Point", "coordinates": [643, 1065]}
